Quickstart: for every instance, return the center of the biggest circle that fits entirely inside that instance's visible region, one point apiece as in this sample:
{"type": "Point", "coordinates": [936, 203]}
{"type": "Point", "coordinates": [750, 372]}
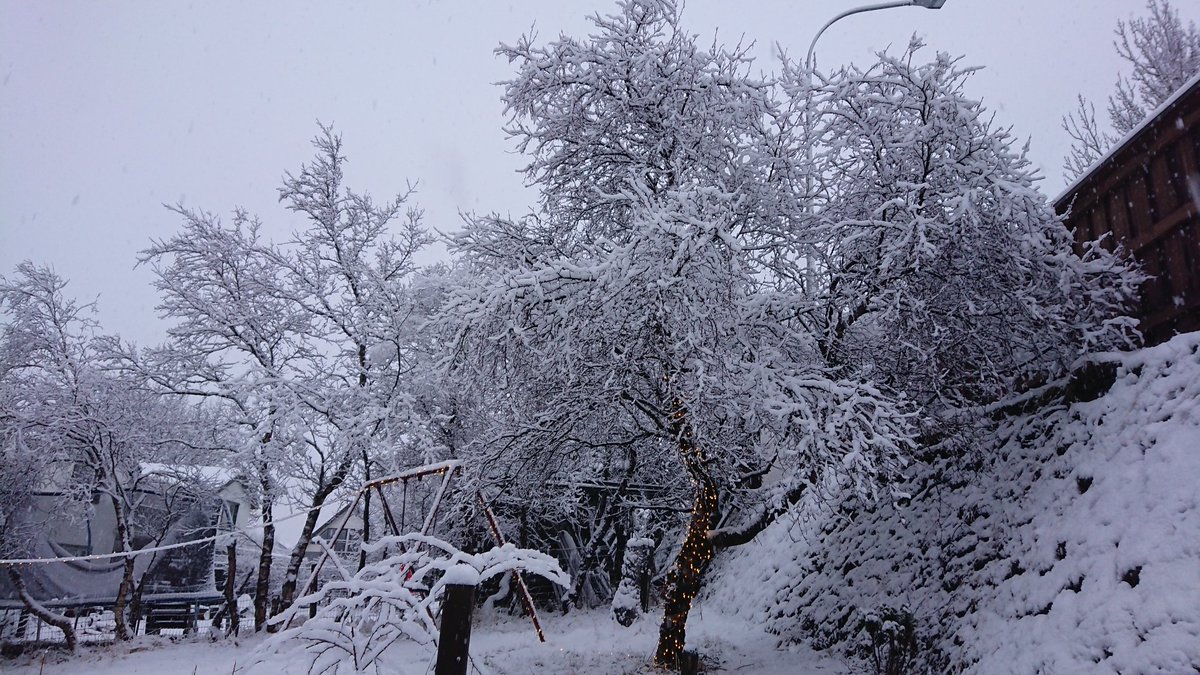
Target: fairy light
{"type": "Point", "coordinates": [697, 549]}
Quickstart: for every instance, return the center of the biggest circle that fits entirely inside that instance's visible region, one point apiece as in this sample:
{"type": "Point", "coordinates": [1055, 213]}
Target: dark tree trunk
{"type": "Point", "coordinates": [41, 611]}
{"type": "Point", "coordinates": [121, 605]}
{"type": "Point", "coordinates": [590, 557]}
{"type": "Point", "coordinates": [262, 588]}
{"type": "Point", "coordinates": [135, 602]}
{"type": "Point", "coordinates": [366, 532]}
{"type": "Point", "coordinates": [230, 595]}
{"type": "Point", "coordinates": [125, 589]}
{"type": "Point", "coordinates": [589, 554]}
{"type": "Point", "coordinates": [287, 593]}
{"type": "Point", "coordinates": [687, 576]}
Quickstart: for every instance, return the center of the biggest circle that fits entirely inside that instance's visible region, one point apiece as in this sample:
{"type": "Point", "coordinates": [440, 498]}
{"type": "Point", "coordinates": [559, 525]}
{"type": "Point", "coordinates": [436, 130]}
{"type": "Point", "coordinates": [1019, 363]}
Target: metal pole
{"type": "Point", "coordinates": [850, 12]}
{"type": "Point", "coordinates": [522, 589]}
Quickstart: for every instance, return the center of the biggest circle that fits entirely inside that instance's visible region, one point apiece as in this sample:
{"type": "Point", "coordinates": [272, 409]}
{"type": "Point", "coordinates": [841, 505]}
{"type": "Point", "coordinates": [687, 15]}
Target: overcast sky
{"type": "Point", "coordinates": [109, 110]}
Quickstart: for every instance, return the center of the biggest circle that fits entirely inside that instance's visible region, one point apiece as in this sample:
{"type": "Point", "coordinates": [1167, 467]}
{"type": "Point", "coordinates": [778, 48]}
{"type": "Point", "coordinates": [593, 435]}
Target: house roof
{"type": "Point", "coordinates": [217, 476]}
{"type": "Point", "coordinates": [1125, 140]}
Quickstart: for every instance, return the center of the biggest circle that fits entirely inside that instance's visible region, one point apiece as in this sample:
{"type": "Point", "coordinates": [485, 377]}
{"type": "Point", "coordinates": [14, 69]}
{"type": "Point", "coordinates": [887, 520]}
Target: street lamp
{"type": "Point", "coordinates": [927, 4]}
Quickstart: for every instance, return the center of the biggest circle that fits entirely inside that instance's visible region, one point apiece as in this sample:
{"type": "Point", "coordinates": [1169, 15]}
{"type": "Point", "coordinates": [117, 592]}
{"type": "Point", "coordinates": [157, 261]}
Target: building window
{"type": "Point", "coordinates": [229, 514]}
{"type": "Point", "coordinates": [345, 541]}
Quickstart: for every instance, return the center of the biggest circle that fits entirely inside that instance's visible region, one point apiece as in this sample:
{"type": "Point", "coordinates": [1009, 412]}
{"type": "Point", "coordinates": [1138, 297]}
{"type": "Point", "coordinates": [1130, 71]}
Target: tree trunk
{"type": "Point", "coordinates": [41, 611]}
{"type": "Point", "coordinates": [230, 596]}
{"type": "Point", "coordinates": [366, 532]}
{"type": "Point", "coordinates": [125, 589]}
{"type": "Point", "coordinates": [135, 602]}
{"type": "Point", "coordinates": [687, 576]}
{"type": "Point", "coordinates": [287, 594]}
{"type": "Point", "coordinates": [262, 588]}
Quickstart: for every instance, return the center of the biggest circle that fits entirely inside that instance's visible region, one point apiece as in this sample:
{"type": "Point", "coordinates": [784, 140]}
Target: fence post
{"type": "Point", "coordinates": [454, 642]}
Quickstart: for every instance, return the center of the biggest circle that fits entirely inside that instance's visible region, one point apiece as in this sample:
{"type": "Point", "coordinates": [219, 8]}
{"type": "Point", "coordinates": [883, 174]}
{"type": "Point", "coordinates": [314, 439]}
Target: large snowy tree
{"type": "Point", "coordinates": [942, 272]}
{"type": "Point", "coordinates": [82, 428]}
{"type": "Point", "coordinates": [637, 308]}
{"type": "Point", "coordinates": [307, 340]}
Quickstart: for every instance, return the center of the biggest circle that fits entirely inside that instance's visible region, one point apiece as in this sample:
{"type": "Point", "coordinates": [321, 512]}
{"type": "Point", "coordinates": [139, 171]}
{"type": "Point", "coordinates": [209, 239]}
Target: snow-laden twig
{"type": "Point", "coordinates": [358, 619]}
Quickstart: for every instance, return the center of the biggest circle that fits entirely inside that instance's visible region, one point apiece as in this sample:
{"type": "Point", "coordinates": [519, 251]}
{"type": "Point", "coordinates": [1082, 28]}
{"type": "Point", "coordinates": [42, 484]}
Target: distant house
{"type": "Point", "coordinates": [178, 504]}
{"type": "Point", "coordinates": [1145, 193]}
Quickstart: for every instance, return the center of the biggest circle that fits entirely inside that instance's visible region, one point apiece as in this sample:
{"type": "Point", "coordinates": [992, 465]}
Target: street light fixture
{"type": "Point", "coordinates": [927, 4]}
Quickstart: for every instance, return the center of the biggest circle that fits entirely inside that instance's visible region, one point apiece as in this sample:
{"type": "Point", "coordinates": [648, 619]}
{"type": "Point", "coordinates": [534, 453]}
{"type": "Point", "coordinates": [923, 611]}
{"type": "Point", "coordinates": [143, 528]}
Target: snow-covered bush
{"type": "Point", "coordinates": [943, 271]}
{"type": "Point", "coordinates": [626, 602]}
{"type": "Point", "coordinates": [360, 617]}
{"type": "Point", "coordinates": [1072, 549]}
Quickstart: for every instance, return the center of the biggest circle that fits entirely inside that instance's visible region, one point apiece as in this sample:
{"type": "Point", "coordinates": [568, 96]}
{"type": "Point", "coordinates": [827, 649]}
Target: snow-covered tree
{"type": "Point", "coordinates": [942, 271]}
{"type": "Point", "coordinates": [637, 308]}
{"type": "Point", "coordinates": [89, 429]}
{"type": "Point", "coordinates": [1163, 54]}
{"type": "Point", "coordinates": [308, 340]}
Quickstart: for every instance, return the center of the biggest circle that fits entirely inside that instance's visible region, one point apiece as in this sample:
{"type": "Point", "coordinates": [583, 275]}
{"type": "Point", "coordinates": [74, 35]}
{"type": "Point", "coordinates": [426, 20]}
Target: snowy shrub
{"type": "Point", "coordinates": [945, 272]}
{"type": "Point", "coordinates": [626, 602]}
{"type": "Point", "coordinates": [888, 639]}
{"type": "Point", "coordinates": [360, 617]}
{"type": "Point", "coordinates": [1072, 549]}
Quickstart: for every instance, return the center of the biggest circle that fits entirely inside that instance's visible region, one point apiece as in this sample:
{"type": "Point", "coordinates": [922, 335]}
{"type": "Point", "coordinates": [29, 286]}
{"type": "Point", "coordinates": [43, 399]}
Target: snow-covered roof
{"type": "Point", "coordinates": [215, 475]}
{"type": "Point", "coordinates": [1125, 140]}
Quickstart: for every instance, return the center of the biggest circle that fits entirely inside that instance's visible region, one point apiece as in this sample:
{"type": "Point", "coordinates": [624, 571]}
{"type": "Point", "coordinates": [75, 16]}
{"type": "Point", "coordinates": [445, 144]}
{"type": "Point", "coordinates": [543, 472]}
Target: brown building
{"type": "Point", "coordinates": [1146, 193]}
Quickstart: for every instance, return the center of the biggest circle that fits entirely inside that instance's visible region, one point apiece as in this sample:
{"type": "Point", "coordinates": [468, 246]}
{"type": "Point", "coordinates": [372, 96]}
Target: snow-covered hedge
{"type": "Point", "coordinates": [1074, 546]}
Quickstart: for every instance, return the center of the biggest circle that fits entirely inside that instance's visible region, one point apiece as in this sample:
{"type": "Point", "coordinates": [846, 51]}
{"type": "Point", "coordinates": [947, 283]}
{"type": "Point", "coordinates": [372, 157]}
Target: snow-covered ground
{"type": "Point", "coordinates": [581, 642]}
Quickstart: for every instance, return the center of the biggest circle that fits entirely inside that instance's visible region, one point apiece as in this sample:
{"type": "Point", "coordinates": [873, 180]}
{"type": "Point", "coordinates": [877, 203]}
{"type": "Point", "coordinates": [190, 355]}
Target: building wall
{"type": "Point", "coordinates": [1147, 195]}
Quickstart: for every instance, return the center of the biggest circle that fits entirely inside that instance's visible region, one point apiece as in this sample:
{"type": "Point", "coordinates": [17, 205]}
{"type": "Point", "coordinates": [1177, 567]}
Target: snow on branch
{"type": "Point", "coordinates": [358, 619]}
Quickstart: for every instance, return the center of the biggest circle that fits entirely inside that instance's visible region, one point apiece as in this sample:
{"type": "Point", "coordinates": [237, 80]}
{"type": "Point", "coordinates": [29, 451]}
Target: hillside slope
{"type": "Point", "coordinates": [1072, 545]}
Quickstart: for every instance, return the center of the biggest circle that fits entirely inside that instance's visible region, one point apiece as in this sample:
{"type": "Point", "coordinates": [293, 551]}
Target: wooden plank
{"type": "Point", "coordinates": [1140, 218]}
{"type": "Point", "coordinates": [1160, 178]}
{"type": "Point", "coordinates": [1150, 289]}
{"type": "Point", "coordinates": [1161, 228]}
{"type": "Point", "coordinates": [454, 638]}
{"type": "Point", "coordinates": [522, 589]}
{"type": "Point", "coordinates": [1101, 225]}
{"type": "Point", "coordinates": [1118, 214]}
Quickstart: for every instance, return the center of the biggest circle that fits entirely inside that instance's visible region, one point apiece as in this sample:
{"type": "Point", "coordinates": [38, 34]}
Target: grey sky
{"type": "Point", "coordinates": [108, 110]}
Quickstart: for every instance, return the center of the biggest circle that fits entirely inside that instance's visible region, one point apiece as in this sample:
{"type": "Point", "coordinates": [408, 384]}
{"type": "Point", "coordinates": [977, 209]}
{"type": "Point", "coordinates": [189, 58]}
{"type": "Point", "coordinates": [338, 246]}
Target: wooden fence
{"type": "Point", "coordinates": [1146, 193]}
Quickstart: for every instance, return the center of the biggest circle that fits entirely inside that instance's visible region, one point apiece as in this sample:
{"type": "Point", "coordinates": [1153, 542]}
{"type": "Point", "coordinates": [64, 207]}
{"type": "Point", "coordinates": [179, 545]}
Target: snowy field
{"type": "Point", "coordinates": [582, 642]}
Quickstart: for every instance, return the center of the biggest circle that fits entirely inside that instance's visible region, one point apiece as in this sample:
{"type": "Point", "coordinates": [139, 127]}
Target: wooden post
{"type": "Point", "coordinates": [454, 643]}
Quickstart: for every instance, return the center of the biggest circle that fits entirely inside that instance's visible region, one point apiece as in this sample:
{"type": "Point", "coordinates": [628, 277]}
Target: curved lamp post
{"type": "Point", "coordinates": [927, 4]}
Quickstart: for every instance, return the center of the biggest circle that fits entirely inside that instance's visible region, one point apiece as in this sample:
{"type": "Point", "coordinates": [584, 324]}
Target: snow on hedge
{"type": "Point", "coordinates": [1071, 546]}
